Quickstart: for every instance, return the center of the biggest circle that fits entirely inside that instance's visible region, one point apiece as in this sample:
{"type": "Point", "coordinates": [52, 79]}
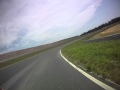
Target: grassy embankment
{"type": "Point", "coordinates": [103, 58]}
{"type": "Point", "coordinates": [113, 30]}
{"type": "Point", "coordinates": [110, 31]}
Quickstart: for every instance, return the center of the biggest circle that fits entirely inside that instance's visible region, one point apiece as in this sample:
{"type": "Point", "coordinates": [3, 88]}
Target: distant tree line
{"type": "Point", "coordinates": [103, 25]}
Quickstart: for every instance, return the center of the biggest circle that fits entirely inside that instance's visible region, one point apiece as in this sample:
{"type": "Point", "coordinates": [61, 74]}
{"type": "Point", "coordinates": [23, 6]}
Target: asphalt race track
{"type": "Point", "coordinates": [45, 71]}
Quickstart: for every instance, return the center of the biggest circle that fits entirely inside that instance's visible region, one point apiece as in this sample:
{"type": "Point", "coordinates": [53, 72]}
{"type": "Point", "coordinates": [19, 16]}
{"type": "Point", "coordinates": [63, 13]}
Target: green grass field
{"type": "Point", "coordinates": [103, 58]}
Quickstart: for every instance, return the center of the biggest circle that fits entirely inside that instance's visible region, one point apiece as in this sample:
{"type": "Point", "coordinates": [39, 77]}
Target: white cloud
{"type": "Point", "coordinates": [44, 19]}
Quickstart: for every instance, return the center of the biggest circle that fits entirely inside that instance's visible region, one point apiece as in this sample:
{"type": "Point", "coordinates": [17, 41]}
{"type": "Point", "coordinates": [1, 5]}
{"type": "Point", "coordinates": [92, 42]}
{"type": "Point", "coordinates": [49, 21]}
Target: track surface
{"type": "Point", "coordinates": [46, 71]}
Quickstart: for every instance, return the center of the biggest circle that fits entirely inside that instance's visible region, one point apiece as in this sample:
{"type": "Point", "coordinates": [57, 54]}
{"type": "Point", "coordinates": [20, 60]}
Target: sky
{"type": "Point", "coordinates": [29, 23]}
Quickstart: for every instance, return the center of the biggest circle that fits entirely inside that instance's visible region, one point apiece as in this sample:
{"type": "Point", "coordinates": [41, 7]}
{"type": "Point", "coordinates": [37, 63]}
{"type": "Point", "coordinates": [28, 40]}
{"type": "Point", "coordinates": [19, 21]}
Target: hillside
{"type": "Point", "coordinates": [110, 31]}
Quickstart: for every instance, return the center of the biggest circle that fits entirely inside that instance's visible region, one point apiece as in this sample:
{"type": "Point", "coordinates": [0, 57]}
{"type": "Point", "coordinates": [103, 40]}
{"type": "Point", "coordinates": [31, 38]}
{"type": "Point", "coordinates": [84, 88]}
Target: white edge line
{"type": "Point", "coordinates": [101, 84]}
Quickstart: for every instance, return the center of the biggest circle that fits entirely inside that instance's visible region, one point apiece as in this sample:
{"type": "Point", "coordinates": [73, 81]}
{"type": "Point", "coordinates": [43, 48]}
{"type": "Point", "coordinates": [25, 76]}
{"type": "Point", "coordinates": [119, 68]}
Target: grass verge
{"type": "Point", "coordinates": [103, 58]}
{"type": "Point", "coordinates": [21, 58]}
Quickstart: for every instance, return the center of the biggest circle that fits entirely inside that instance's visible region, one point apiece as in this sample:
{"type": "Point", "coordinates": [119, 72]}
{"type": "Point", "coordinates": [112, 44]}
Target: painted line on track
{"type": "Point", "coordinates": [101, 84]}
